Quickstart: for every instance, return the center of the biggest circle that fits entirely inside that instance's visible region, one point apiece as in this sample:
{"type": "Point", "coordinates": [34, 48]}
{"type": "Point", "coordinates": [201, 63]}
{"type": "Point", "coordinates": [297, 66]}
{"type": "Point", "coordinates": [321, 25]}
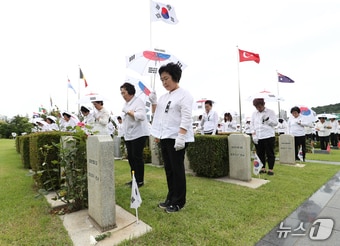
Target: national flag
{"type": "Point", "coordinates": [136, 199]}
{"type": "Point", "coordinates": [144, 88]}
{"type": "Point", "coordinates": [42, 109]}
{"type": "Point", "coordinates": [163, 12]}
{"type": "Point", "coordinates": [51, 102]}
{"type": "Point", "coordinates": [248, 56]}
{"type": "Point", "coordinates": [284, 79]}
{"type": "Point", "coordinates": [300, 154]}
{"type": "Point", "coordinates": [69, 85]}
{"type": "Point", "coordinates": [36, 115]}
{"type": "Point", "coordinates": [328, 148]}
{"type": "Point", "coordinates": [82, 77]}
{"type": "Point", "coordinates": [257, 165]}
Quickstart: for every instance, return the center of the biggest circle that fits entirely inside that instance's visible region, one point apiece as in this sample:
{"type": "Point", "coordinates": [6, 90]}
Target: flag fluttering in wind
{"type": "Point", "coordinates": [144, 88]}
{"type": "Point", "coordinates": [163, 12]}
{"type": "Point", "coordinates": [82, 77]}
{"type": "Point", "coordinates": [69, 85]}
{"type": "Point", "coordinates": [284, 79]}
{"type": "Point", "coordinates": [42, 109]}
{"type": "Point", "coordinates": [248, 56]}
{"type": "Point", "coordinates": [257, 165]}
{"type": "Point", "coordinates": [136, 199]}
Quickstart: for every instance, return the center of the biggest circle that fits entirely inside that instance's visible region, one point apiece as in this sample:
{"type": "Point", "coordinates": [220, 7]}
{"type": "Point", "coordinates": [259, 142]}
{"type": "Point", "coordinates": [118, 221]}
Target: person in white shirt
{"type": "Point", "coordinates": [88, 115]}
{"type": "Point", "coordinates": [228, 125]}
{"type": "Point", "coordinates": [136, 131]}
{"type": "Point", "coordinates": [101, 116]}
{"type": "Point", "coordinates": [172, 127]}
{"type": "Point", "coordinates": [282, 127]}
{"type": "Point", "coordinates": [323, 129]}
{"type": "Point", "coordinates": [51, 120]}
{"type": "Point", "coordinates": [209, 119]}
{"type": "Point", "coordinates": [120, 128]}
{"type": "Point", "coordinates": [296, 127]}
{"type": "Point", "coordinates": [263, 124]}
{"type": "Point", "coordinates": [334, 132]}
{"type": "Point", "coordinates": [69, 121]}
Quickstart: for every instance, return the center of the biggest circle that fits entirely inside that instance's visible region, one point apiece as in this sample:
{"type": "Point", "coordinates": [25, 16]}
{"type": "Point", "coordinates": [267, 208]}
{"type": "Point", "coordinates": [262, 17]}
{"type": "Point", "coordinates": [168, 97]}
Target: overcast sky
{"type": "Point", "coordinates": [44, 42]}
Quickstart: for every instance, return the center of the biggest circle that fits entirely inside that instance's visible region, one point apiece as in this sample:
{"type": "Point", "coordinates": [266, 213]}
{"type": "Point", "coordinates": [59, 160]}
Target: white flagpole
{"type": "Point", "coordinates": [78, 89]}
{"type": "Point", "coordinates": [239, 88]}
{"type": "Point", "coordinates": [278, 96]}
{"type": "Point", "coordinates": [67, 93]}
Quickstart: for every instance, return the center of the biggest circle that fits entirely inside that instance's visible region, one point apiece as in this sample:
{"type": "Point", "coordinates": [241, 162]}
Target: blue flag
{"type": "Point", "coordinates": [284, 79]}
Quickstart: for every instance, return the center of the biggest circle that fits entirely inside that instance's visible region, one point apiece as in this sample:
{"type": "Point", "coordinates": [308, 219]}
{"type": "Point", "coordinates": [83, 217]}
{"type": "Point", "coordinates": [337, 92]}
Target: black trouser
{"type": "Point", "coordinates": [174, 171]}
{"type": "Point", "coordinates": [324, 142]}
{"type": "Point", "coordinates": [334, 139]}
{"type": "Point", "coordinates": [135, 156]}
{"type": "Point", "coordinates": [265, 150]}
{"type": "Point", "coordinates": [300, 141]}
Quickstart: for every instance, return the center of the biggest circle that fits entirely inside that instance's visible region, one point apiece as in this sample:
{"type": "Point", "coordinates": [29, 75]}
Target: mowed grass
{"type": "Point", "coordinates": [216, 213]}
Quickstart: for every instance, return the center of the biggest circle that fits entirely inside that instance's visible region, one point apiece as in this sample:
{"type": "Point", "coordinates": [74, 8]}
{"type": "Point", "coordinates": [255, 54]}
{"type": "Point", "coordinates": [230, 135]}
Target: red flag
{"type": "Point", "coordinates": [328, 148]}
{"type": "Point", "coordinates": [248, 56]}
{"type": "Point", "coordinates": [82, 77]}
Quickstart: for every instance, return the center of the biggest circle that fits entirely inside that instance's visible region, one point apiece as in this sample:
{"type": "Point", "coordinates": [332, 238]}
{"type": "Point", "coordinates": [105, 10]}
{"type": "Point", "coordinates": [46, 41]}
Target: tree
{"type": "Point", "coordinates": [17, 124]}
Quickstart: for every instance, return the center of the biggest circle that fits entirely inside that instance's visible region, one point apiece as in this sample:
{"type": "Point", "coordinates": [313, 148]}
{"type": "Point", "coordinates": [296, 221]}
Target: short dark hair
{"type": "Point", "coordinates": [173, 69]}
{"type": "Point", "coordinates": [130, 88]}
{"type": "Point", "coordinates": [258, 101]}
{"type": "Point", "coordinates": [119, 118]}
{"type": "Point", "coordinates": [210, 102]}
{"type": "Point", "coordinates": [296, 109]}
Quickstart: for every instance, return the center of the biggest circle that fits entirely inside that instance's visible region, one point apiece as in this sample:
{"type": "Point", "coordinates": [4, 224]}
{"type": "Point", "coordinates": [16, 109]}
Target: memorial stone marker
{"type": "Point", "coordinates": [239, 157]}
{"type": "Point", "coordinates": [287, 149]}
{"type": "Point", "coordinates": [101, 185]}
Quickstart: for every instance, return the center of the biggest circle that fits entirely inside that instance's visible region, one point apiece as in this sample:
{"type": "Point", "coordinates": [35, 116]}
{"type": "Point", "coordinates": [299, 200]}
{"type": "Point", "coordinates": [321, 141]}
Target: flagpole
{"type": "Point", "coordinates": [67, 94]}
{"type": "Point", "coordinates": [278, 96]}
{"type": "Point", "coordinates": [239, 89]}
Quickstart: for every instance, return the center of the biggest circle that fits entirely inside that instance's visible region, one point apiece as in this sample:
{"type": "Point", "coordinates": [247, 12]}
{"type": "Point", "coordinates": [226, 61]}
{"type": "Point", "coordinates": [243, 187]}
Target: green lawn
{"type": "Point", "coordinates": [216, 213]}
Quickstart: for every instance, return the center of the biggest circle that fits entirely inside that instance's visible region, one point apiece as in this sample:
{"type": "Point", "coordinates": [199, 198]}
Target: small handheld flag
{"type": "Point", "coordinates": [136, 199]}
{"type": "Point", "coordinates": [300, 154]}
{"type": "Point", "coordinates": [257, 165]}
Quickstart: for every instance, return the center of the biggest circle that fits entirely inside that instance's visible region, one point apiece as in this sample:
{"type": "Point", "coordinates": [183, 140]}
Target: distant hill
{"type": "Point", "coordinates": [331, 109]}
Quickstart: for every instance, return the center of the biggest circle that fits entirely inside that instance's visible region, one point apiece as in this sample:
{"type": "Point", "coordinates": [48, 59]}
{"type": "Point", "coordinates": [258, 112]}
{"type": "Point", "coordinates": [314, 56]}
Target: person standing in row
{"type": "Point", "coordinates": [323, 129]}
{"type": "Point", "coordinates": [228, 125]}
{"type": "Point", "coordinates": [101, 116]}
{"type": "Point", "coordinates": [296, 127]}
{"type": "Point", "coordinates": [334, 132]}
{"type": "Point", "coordinates": [263, 124]}
{"type": "Point", "coordinates": [136, 130]}
{"type": "Point", "coordinates": [209, 119]}
{"type": "Point", "coordinates": [172, 126]}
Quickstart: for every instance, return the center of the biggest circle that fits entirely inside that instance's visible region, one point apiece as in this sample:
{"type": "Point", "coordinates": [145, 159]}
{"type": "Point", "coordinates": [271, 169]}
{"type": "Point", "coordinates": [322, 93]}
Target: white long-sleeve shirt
{"type": "Point", "coordinates": [266, 129]}
{"type": "Point", "coordinates": [135, 126]}
{"type": "Point", "coordinates": [296, 126]}
{"type": "Point", "coordinates": [323, 129]}
{"type": "Point", "coordinates": [173, 111]}
{"type": "Point", "coordinates": [101, 120]}
{"type": "Point", "coordinates": [209, 121]}
{"type": "Point", "coordinates": [227, 126]}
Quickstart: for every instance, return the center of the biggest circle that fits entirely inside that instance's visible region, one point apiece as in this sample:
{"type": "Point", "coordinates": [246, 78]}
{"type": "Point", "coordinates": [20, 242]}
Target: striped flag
{"type": "Point", "coordinates": [69, 85]}
{"type": "Point", "coordinates": [82, 77]}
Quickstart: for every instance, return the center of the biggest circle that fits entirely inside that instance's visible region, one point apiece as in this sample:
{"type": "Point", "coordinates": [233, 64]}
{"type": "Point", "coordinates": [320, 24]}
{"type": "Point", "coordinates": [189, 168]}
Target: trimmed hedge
{"type": "Point", "coordinates": [208, 155]}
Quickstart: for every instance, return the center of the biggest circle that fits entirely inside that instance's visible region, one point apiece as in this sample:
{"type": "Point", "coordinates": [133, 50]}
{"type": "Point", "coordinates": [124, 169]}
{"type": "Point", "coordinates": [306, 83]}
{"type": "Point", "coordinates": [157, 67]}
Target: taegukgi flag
{"type": "Point", "coordinates": [136, 199]}
{"type": "Point", "coordinates": [257, 165]}
{"type": "Point", "coordinates": [163, 12]}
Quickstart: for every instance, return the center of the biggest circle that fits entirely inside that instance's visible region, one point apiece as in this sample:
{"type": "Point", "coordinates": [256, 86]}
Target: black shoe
{"type": "Point", "coordinates": [164, 205]}
{"type": "Point", "coordinates": [172, 208]}
{"type": "Point", "coordinates": [270, 173]}
{"type": "Point", "coordinates": [129, 183]}
{"type": "Point", "coordinates": [263, 171]}
{"type": "Point", "coordinates": [140, 184]}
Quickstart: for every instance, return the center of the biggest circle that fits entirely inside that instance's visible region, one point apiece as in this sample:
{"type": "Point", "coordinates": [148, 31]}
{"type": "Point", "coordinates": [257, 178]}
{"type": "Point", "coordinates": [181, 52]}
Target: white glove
{"type": "Point", "coordinates": [255, 139]}
{"type": "Point", "coordinates": [180, 142]}
{"type": "Point", "coordinates": [153, 97]}
{"type": "Point", "coordinates": [125, 110]}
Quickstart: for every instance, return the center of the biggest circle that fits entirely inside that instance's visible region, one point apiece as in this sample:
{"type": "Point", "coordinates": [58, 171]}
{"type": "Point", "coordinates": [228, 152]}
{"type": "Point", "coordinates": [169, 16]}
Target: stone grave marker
{"type": "Point", "coordinates": [239, 157]}
{"type": "Point", "coordinates": [101, 185]}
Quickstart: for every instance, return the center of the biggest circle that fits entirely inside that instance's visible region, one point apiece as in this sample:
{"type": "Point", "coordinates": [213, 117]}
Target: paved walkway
{"type": "Point", "coordinates": [315, 222]}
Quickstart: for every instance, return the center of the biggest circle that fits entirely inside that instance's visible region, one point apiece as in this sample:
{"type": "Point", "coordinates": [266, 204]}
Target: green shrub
{"type": "Point", "coordinates": [208, 156]}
